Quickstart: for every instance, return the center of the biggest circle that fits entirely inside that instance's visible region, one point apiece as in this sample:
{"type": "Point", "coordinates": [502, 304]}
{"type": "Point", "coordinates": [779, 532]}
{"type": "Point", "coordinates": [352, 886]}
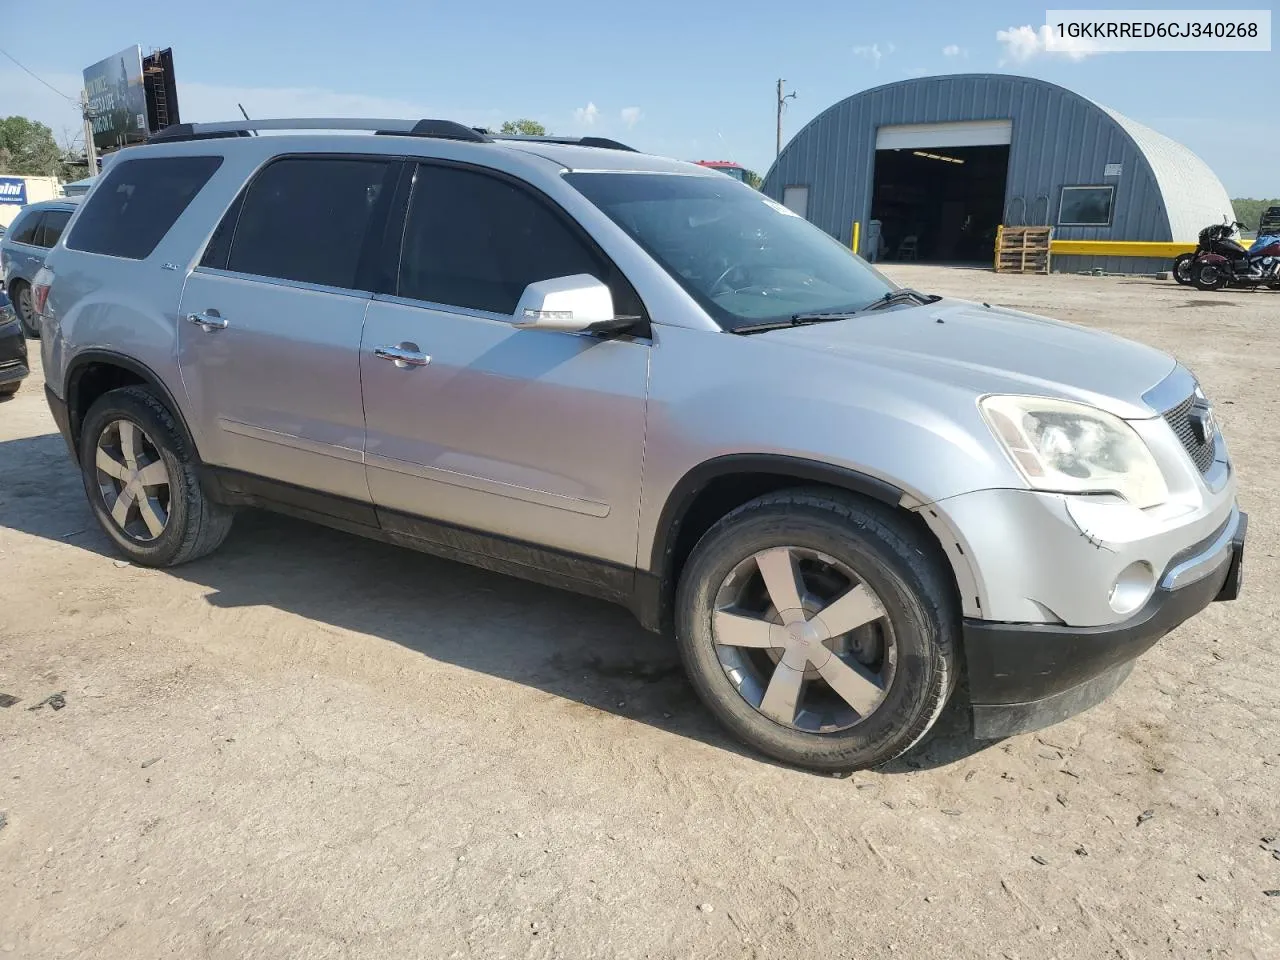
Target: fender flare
{"type": "Point", "coordinates": [687, 488]}
{"type": "Point", "coordinates": [75, 372]}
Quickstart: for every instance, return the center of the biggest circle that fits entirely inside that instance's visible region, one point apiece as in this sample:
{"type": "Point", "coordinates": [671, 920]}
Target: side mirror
{"type": "Point", "coordinates": [568, 304]}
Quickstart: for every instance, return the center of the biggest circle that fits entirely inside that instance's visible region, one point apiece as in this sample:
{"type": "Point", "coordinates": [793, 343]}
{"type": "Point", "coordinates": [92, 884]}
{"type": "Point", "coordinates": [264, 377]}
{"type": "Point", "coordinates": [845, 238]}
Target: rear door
{"type": "Point", "coordinates": [269, 345]}
{"type": "Point", "coordinates": [530, 435]}
{"type": "Point", "coordinates": [23, 255]}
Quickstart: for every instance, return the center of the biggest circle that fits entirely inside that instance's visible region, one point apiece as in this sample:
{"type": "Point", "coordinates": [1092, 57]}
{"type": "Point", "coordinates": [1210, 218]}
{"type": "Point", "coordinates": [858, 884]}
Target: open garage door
{"type": "Point", "coordinates": [939, 189]}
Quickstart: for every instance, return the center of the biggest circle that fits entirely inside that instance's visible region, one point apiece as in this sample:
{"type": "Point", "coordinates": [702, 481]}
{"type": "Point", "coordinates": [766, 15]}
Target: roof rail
{"type": "Point", "coordinates": [603, 143]}
{"type": "Point", "coordinates": [440, 129]}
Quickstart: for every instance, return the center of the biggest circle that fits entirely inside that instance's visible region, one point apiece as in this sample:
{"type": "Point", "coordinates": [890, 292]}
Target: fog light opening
{"type": "Point", "coordinates": [1132, 587]}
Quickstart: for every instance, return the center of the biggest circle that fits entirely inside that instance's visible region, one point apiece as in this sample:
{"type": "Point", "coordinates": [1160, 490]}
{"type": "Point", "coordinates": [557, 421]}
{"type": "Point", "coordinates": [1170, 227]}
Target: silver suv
{"type": "Point", "coordinates": [635, 378]}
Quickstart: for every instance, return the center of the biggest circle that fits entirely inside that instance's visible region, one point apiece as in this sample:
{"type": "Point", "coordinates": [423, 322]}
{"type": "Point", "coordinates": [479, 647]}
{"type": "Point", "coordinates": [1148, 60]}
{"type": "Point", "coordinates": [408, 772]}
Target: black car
{"type": "Point", "coordinates": [13, 350]}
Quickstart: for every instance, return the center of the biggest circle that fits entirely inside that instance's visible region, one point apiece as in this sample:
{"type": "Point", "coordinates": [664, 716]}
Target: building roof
{"type": "Point", "coordinates": [1193, 195]}
{"type": "Point", "coordinates": [1059, 138]}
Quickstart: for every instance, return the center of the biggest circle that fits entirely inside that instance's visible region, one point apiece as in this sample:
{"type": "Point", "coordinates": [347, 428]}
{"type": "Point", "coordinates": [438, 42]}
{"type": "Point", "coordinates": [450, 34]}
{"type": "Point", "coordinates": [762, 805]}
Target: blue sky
{"type": "Point", "coordinates": [690, 79]}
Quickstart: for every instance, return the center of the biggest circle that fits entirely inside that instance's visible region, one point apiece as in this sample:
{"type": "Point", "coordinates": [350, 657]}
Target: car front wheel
{"type": "Point", "coordinates": [140, 477]}
{"type": "Point", "coordinates": [819, 628]}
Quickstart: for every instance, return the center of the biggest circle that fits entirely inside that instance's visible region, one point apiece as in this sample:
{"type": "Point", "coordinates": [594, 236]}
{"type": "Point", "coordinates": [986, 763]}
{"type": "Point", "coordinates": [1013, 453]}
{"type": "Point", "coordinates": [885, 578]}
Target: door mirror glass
{"type": "Point", "coordinates": [569, 304]}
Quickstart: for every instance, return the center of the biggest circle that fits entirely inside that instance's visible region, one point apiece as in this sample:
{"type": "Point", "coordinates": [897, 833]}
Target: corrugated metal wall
{"type": "Point", "coordinates": [1059, 138]}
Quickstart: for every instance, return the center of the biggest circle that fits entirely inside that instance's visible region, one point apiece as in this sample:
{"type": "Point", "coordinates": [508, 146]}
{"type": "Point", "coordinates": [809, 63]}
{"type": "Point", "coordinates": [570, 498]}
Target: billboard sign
{"type": "Point", "coordinates": [13, 190]}
{"type": "Point", "coordinates": [117, 99]}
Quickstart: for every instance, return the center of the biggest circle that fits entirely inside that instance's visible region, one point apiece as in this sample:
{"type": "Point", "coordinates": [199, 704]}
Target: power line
{"type": "Point", "coordinates": [38, 77]}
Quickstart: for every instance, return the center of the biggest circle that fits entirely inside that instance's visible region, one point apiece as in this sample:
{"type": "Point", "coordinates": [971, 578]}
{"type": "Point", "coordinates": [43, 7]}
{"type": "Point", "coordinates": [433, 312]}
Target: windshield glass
{"type": "Point", "coordinates": [743, 257]}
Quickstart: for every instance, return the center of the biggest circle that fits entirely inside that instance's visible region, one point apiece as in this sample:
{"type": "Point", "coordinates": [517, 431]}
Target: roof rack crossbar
{"type": "Point", "coordinates": [442, 129]}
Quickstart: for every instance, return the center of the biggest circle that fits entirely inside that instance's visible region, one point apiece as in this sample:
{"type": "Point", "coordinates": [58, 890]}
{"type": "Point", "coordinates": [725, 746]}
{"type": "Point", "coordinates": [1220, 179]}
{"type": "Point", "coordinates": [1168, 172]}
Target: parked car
{"type": "Point", "coordinates": [23, 249]}
{"type": "Point", "coordinates": [1269, 221]}
{"type": "Point", "coordinates": [13, 350]}
{"type": "Point", "coordinates": [634, 378]}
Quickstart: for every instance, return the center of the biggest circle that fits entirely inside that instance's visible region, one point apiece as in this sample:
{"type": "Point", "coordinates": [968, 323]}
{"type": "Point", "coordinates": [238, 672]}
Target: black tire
{"type": "Point", "coordinates": [20, 294]}
{"type": "Point", "coordinates": [1181, 268]}
{"type": "Point", "coordinates": [7, 390]}
{"type": "Point", "coordinates": [195, 524]}
{"type": "Point", "coordinates": [891, 557]}
{"type": "Point", "coordinates": [1206, 276]}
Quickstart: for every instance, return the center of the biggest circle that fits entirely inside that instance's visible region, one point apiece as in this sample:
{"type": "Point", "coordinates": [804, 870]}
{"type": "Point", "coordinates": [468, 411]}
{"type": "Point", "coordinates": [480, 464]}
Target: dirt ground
{"type": "Point", "coordinates": [313, 746]}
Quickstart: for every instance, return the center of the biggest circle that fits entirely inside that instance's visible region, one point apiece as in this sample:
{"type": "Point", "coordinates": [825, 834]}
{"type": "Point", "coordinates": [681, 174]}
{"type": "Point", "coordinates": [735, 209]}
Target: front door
{"type": "Point", "coordinates": [528, 435]}
{"type": "Point", "coordinates": [269, 339]}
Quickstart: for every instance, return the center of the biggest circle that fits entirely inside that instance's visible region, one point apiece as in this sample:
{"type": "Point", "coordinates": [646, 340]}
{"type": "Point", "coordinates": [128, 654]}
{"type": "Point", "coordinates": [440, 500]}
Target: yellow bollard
{"type": "Point", "coordinates": [857, 235]}
{"type": "Point", "coordinates": [999, 236]}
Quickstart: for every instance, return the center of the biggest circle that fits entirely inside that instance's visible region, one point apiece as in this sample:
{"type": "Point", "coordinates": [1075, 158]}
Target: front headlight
{"type": "Point", "coordinates": [1074, 448]}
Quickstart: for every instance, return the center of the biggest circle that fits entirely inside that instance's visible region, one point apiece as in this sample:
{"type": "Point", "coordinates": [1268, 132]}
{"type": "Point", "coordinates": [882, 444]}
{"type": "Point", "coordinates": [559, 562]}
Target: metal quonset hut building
{"type": "Point", "coordinates": [945, 160]}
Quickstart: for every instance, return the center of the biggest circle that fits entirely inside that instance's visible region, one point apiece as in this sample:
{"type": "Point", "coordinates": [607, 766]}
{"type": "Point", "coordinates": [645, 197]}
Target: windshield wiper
{"type": "Point", "coordinates": [829, 316]}
{"type": "Point", "coordinates": [901, 296]}
{"type": "Point", "coordinates": [798, 320]}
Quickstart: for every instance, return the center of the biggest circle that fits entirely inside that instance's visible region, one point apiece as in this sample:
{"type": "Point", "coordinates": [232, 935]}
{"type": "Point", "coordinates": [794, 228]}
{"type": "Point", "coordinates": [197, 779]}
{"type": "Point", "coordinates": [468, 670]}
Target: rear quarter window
{"type": "Point", "coordinates": [24, 229]}
{"type": "Point", "coordinates": [136, 204]}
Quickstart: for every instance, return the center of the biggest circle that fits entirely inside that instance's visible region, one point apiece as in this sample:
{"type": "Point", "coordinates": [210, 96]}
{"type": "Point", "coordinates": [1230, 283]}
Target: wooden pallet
{"type": "Point", "coordinates": [1023, 249]}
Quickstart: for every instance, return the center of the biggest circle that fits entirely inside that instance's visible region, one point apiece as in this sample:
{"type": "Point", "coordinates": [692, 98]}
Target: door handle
{"type": "Point", "coordinates": [208, 321]}
{"type": "Point", "coordinates": [403, 355]}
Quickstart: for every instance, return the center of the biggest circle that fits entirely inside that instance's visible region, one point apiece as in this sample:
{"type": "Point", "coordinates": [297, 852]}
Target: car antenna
{"type": "Point", "coordinates": [244, 113]}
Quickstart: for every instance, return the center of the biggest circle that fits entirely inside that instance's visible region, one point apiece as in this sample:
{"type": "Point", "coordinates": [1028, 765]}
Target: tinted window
{"type": "Point", "coordinates": [24, 231]}
{"type": "Point", "coordinates": [1086, 206]}
{"type": "Point", "coordinates": [219, 248]}
{"type": "Point", "coordinates": [137, 202]}
{"type": "Point", "coordinates": [743, 257]}
{"type": "Point", "coordinates": [55, 221]}
{"type": "Point", "coordinates": [477, 241]}
{"type": "Point", "coordinates": [306, 219]}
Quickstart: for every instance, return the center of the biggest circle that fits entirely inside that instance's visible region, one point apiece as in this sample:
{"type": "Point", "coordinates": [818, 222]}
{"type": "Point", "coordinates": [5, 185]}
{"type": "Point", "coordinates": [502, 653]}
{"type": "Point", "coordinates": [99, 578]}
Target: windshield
{"type": "Point", "coordinates": [743, 257]}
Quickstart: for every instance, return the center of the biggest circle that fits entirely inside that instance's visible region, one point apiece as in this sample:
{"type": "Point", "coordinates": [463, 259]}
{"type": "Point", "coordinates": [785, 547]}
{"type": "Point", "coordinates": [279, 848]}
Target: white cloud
{"type": "Point", "coordinates": [631, 116]}
{"type": "Point", "coordinates": [587, 115]}
{"type": "Point", "coordinates": [874, 52]}
{"type": "Point", "coordinates": [953, 50]}
{"type": "Point", "coordinates": [1023, 43]}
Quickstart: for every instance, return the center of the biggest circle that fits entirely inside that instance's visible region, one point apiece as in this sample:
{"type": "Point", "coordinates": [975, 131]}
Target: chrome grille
{"type": "Point", "coordinates": [1179, 418]}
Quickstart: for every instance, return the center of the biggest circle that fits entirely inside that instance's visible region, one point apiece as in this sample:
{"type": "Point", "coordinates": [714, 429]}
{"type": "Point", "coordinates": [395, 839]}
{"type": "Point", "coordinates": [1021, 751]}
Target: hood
{"type": "Point", "coordinates": [996, 350]}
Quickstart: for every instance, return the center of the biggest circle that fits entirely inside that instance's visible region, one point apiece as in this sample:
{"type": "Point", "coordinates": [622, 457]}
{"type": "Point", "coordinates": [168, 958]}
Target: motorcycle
{"type": "Point", "coordinates": [1257, 266]}
{"type": "Point", "coordinates": [1216, 239]}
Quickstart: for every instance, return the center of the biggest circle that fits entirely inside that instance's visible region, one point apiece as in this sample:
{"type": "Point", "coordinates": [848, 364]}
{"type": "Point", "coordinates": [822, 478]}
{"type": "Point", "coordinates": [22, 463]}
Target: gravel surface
{"type": "Point", "coordinates": [313, 746]}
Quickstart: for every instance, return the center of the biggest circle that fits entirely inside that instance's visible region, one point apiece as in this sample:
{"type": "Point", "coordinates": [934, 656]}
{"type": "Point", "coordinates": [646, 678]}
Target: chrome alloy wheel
{"type": "Point", "coordinates": [133, 480]}
{"type": "Point", "coordinates": [803, 639]}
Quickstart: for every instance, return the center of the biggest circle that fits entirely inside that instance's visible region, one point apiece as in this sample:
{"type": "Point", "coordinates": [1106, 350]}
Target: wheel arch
{"type": "Point", "coordinates": [93, 372]}
{"type": "Point", "coordinates": [711, 489]}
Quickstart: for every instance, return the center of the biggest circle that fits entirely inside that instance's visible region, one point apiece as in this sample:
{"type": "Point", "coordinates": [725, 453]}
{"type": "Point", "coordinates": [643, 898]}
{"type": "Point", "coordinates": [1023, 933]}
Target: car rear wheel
{"type": "Point", "coordinates": [140, 477]}
{"type": "Point", "coordinates": [819, 628]}
{"type": "Point", "coordinates": [25, 306]}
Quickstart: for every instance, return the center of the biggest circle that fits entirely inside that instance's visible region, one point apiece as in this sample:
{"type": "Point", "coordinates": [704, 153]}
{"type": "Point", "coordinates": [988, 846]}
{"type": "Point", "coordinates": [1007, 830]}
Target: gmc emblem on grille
{"type": "Point", "coordinates": [1202, 423]}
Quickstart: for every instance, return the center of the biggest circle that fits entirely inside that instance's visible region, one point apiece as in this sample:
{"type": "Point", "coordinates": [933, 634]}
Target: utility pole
{"type": "Point", "coordinates": [782, 102]}
{"type": "Point", "coordinates": [90, 150]}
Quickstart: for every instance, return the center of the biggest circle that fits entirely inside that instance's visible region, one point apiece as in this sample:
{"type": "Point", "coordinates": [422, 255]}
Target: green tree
{"type": "Point", "coordinates": [753, 179]}
{"type": "Point", "coordinates": [27, 148]}
{"type": "Point", "coordinates": [524, 127]}
{"type": "Point", "coordinates": [1248, 211]}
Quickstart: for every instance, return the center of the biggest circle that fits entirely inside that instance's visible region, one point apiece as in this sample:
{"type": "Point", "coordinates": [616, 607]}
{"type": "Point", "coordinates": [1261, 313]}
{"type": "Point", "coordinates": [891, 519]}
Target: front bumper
{"type": "Point", "coordinates": [13, 352]}
{"type": "Point", "coordinates": [1026, 676]}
